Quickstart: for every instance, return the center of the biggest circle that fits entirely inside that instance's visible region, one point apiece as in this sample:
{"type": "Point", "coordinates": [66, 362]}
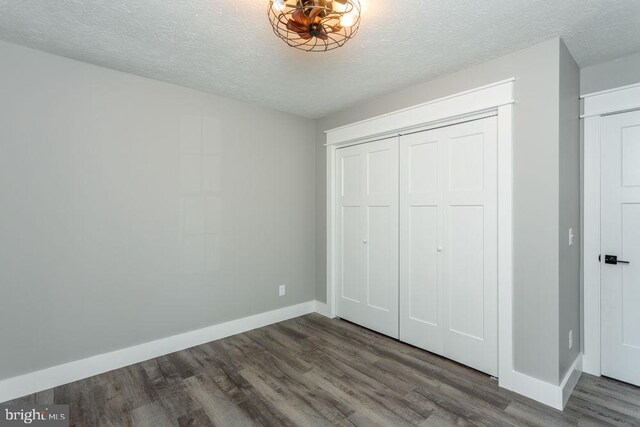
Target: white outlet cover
{"type": "Point", "coordinates": [282, 290]}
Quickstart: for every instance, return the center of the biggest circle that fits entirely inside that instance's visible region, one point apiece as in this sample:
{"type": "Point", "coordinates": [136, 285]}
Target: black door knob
{"type": "Point", "coordinates": [613, 259]}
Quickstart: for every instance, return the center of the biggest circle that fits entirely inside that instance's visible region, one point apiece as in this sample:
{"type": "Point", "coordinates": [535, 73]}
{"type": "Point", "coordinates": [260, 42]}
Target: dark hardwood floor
{"type": "Point", "coordinates": [316, 371]}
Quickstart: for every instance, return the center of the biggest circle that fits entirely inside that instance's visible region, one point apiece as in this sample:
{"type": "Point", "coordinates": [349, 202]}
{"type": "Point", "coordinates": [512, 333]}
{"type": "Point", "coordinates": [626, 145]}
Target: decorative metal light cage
{"type": "Point", "coordinates": [315, 25]}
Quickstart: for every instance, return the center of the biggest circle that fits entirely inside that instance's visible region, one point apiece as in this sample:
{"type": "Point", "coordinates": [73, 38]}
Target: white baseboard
{"type": "Point", "coordinates": [555, 396]}
{"type": "Point", "coordinates": [45, 379]}
{"type": "Point", "coordinates": [552, 395]}
{"type": "Point", "coordinates": [571, 379]}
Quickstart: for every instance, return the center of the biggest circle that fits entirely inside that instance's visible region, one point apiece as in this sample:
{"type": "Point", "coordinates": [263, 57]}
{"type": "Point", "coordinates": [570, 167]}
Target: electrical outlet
{"type": "Point", "coordinates": [282, 290]}
{"type": "Point", "coordinates": [571, 236]}
{"type": "Point", "coordinates": [570, 340]}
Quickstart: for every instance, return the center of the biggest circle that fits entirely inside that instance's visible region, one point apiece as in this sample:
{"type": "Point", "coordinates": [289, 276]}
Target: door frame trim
{"type": "Point", "coordinates": [493, 99]}
{"type": "Point", "coordinates": [596, 106]}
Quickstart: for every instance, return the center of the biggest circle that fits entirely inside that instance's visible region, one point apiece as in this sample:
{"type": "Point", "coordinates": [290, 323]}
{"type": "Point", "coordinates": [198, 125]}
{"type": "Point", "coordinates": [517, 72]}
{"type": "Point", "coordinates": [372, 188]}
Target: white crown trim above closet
{"type": "Point", "coordinates": [495, 99]}
{"type": "Point", "coordinates": [468, 105]}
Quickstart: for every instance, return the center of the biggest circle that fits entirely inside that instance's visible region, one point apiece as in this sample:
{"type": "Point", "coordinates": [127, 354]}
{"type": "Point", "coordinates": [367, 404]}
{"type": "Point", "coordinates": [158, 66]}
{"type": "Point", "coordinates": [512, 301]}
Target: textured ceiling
{"type": "Point", "coordinates": [226, 46]}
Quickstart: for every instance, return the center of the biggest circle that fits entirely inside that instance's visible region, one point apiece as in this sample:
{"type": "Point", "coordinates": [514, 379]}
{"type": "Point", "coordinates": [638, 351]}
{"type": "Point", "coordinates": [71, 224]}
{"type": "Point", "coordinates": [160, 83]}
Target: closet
{"type": "Point", "coordinates": [417, 239]}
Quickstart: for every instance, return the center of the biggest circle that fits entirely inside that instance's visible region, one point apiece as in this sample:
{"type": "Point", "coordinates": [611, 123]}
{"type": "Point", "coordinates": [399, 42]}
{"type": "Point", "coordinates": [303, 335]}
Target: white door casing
{"type": "Point", "coordinates": [620, 236]}
{"type": "Point", "coordinates": [367, 224]}
{"type": "Point", "coordinates": [448, 242]}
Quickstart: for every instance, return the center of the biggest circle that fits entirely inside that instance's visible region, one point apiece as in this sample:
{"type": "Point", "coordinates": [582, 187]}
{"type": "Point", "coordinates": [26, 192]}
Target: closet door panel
{"type": "Point", "coordinates": [465, 162]}
{"type": "Point", "coordinates": [350, 226]}
{"type": "Point", "coordinates": [351, 172]}
{"type": "Point", "coordinates": [465, 284]}
{"type": "Point", "coordinates": [421, 284]}
{"type": "Point", "coordinates": [470, 245]}
{"type": "Point", "coordinates": [381, 237]}
{"type": "Point", "coordinates": [380, 295]}
{"type": "Point", "coordinates": [422, 162]}
{"type": "Point", "coordinates": [368, 235]}
{"type": "Point", "coordinates": [423, 292]}
{"type": "Point", "coordinates": [351, 253]}
{"type": "Point", "coordinates": [448, 242]}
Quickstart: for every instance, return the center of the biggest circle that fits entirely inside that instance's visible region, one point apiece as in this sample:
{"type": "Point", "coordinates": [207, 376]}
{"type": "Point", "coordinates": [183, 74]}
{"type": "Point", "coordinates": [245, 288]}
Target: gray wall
{"type": "Point", "coordinates": [123, 219]}
{"type": "Point", "coordinates": [536, 190]}
{"type": "Point", "coordinates": [620, 72]}
{"type": "Point", "coordinates": [569, 256]}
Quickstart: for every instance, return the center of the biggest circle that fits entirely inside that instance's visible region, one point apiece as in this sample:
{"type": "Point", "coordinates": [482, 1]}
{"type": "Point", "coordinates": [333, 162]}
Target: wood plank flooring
{"type": "Point", "coordinates": [315, 371]}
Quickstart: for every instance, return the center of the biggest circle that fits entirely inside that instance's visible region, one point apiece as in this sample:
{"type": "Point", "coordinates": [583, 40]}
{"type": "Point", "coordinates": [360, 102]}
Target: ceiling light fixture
{"type": "Point", "coordinates": [315, 25]}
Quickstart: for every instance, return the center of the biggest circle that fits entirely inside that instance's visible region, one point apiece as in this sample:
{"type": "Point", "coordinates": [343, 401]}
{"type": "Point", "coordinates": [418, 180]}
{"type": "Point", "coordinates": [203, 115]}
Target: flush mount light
{"type": "Point", "coordinates": [315, 25]}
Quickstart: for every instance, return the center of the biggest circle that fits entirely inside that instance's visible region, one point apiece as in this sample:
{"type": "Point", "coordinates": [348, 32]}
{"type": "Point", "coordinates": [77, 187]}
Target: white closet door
{"type": "Point", "coordinates": [620, 306]}
{"type": "Point", "coordinates": [367, 228]}
{"type": "Point", "coordinates": [421, 237]}
{"type": "Point", "coordinates": [448, 240]}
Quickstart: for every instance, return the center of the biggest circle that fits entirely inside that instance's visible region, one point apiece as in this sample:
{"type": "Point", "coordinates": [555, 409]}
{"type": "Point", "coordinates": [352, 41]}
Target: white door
{"type": "Point", "coordinates": [448, 242]}
{"type": "Point", "coordinates": [620, 289]}
{"type": "Point", "coordinates": [367, 231]}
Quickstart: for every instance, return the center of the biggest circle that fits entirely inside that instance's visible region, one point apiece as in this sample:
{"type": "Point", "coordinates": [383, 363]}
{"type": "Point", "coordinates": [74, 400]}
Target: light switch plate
{"type": "Point", "coordinates": [571, 236]}
{"type": "Point", "coordinates": [282, 290]}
